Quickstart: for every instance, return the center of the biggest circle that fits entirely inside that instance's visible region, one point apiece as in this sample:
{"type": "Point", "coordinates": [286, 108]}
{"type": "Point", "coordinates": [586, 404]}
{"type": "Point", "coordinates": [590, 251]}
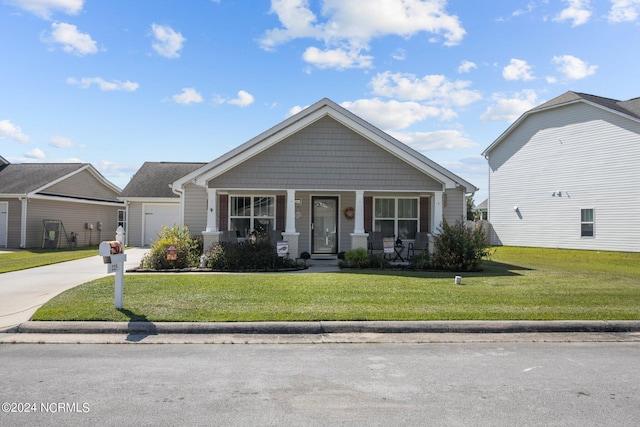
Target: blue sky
{"type": "Point", "coordinates": [119, 82]}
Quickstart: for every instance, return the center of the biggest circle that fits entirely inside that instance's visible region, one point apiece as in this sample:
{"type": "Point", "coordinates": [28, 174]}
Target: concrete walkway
{"type": "Point", "coordinates": [23, 292]}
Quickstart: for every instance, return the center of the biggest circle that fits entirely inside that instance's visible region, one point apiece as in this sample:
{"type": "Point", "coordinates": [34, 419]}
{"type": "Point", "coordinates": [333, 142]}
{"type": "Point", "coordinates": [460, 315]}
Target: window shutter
{"type": "Point", "coordinates": [368, 214]}
{"type": "Point", "coordinates": [223, 212]}
{"type": "Point", "coordinates": [425, 214]}
{"type": "Point", "coordinates": [281, 209]}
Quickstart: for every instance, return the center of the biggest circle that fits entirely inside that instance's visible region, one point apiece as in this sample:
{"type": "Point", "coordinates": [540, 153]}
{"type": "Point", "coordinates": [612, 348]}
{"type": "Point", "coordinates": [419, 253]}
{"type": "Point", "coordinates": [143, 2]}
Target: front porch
{"type": "Point", "coordinates": [322, 223]}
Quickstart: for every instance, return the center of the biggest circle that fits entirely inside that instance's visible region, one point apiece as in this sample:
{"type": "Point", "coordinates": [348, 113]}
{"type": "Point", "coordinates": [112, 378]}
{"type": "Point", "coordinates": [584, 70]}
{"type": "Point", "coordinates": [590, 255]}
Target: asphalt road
{"type": "Point", "coordinates": [443, 384]}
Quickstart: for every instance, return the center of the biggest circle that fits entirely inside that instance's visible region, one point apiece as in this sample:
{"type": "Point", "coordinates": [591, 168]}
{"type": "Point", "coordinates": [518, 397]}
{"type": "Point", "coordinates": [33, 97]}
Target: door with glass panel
{"type": "Point", "coordinates": [324, 225]}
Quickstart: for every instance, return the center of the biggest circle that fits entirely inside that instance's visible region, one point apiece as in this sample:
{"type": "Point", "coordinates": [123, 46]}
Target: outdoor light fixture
{"type": "Point", "coordinates": [515, 208]}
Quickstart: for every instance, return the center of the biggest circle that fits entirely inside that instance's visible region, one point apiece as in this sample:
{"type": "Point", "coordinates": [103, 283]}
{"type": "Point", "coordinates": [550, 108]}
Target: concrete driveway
{"type": "Point", "coordinates": [23, 292]}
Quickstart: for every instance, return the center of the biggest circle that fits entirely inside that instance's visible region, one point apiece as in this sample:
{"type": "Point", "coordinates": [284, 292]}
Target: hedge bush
{"type": "Point", "coordinates": [459, 248]}
{"type": "Point", "coordinates": [188, 249]}
{"type": "Point", "coordinates": [247, 256]}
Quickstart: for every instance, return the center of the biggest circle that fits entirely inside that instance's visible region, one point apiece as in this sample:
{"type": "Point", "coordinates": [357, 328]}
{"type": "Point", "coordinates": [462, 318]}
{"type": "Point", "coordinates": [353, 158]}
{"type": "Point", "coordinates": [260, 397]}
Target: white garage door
{"type": "Point", "coordinates": [157, 216]}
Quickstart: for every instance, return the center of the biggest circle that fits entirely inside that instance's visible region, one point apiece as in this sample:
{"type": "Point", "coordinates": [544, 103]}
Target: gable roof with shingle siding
{"type": "Point", "coordinates": [23, 178]}
{"type": "Point", "coordinates": [153, 179]}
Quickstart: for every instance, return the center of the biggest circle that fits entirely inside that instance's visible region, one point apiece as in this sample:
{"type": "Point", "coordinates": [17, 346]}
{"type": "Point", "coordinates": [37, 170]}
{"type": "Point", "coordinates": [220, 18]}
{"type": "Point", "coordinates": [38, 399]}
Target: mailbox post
{"type": "Point", "coordinates": [112, 253]}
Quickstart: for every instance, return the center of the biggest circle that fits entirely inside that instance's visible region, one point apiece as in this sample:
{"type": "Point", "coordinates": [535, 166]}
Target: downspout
{"type": "Point", "coordinates": [23, 221]}
{"type": "Point", "coordinates": [180, 193]}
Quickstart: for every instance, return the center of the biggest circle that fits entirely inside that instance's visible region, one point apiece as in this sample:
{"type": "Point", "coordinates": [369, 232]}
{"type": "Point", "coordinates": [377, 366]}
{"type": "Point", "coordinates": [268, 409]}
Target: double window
{"type": "Point", "coordinates": [396, 217]}
{"type": "Point", "coordinates": [587, 223]}
{"type": "Point", "coordinates": [251, 213]}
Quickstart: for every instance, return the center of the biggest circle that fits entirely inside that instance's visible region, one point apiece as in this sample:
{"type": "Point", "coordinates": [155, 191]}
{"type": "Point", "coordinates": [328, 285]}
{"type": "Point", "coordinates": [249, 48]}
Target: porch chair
{"type": "Point", "coordinates": [420, 244]}
{"type": "Point", "coordinates": [375, 242]}
{"type": "Point", "coordinates": [229, 237]}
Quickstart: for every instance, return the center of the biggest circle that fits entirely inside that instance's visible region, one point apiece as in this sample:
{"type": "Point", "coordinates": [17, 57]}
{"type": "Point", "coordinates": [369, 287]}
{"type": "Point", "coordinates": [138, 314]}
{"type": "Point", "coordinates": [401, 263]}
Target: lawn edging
{"type": "Point", "coordinates": [331, 327]}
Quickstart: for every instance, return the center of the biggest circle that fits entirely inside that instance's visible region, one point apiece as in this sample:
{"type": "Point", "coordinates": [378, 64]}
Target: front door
{"type": "Point", "coordinates": [324, 225]}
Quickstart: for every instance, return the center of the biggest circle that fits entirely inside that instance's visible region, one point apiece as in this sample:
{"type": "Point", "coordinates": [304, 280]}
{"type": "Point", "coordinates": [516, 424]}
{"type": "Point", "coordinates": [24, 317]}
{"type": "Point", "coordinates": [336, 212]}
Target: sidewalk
{"type": "Point", "coordinates": [23, 292]}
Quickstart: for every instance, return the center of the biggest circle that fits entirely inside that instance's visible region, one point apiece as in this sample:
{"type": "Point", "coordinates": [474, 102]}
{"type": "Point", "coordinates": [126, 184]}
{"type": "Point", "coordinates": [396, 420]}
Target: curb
{"type": "Point", "coordinates": [327, 327]}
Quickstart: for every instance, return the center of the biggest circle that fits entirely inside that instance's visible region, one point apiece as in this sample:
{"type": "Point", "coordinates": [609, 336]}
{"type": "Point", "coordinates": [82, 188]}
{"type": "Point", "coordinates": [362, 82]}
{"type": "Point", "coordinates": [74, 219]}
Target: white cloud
{"type": "Point", "coordinates": [36, 154]}
{"type": "Point", "coordinates": [350, 25]}
{"type": "Point", "coordinates": [434, 88]}
{"type": "Point", "coordinates": [168, 42]}
{"type": "Point", "coordinates": [103, 84]}
{"type": "Point", "coordinates": [188, 96]}
{"type": "Point", "coordinates": [62, 142]}
{"type": "Point", "coordinates": [10, 131]}
{"type": "Point", "coordinates": [45, 8]}
{"type": "Point", "coordinates": [72, 40]}
{"type": "Point", "coordinates": [517, 69]}
{"type": "Point", "coordinates": [577, 11]}
{"type": "Point", "coordinates": [510, 108]}
{"type": "Point", "coordinates": [243, 99]}
{"type": "Point", "coordinates": [437, 140]}
{"type": "Point", "coordinates": [466, 66]}
{"type": "Point", "coordinates": [391, 115]}
{"type": "Point", "coordinates": [624, 10]}
{"type": "Point", "coordinates": [574, 68]}
{"type": "Point", "coordinates": [336, 58]}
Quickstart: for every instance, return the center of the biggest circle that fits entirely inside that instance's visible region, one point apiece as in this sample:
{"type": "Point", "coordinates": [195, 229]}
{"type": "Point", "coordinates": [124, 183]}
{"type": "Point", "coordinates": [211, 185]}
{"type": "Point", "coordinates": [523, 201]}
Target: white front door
{"type": "Point", "coordinates": [4, 223]}
{"type": "Point", "coordinates": [157, 216]}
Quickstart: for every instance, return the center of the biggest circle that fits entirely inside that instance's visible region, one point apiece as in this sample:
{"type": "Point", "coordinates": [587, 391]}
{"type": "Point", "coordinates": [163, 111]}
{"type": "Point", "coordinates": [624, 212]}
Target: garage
{"type": "Point", "coordinates": [157, 216]}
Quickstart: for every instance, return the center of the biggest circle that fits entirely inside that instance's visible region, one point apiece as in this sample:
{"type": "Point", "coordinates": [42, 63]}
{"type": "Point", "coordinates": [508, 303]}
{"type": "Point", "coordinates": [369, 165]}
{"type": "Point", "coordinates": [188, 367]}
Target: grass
{"type": "Point", "coordinates": [517, 284]}
{"type": "Point", "coordinates": [29, 258]}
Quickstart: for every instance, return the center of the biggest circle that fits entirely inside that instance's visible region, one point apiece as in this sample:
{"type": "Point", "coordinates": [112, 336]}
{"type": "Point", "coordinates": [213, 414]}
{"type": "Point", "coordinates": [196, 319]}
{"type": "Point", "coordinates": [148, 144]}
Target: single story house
{"type": "Point", "coordinates": [322, 180]}
{"type": "Point", "coordinates": [56, 205]}
{"type": "Point", "coordinates": [565, 175]}
{"type": "Point", "coordinates": [150, 201]}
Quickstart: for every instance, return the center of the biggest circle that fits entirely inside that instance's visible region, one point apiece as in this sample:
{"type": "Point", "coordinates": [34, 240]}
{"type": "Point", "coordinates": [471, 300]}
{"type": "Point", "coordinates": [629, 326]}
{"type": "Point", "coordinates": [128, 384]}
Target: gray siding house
{"type": "Point", "coordinates": [150, 201]}
{"type": "Point", "coordinates": [566, 175]}
{"type": "Point", "coordinates": [322, 180]}
{"type": "Point", "coordinates": [79, 205]}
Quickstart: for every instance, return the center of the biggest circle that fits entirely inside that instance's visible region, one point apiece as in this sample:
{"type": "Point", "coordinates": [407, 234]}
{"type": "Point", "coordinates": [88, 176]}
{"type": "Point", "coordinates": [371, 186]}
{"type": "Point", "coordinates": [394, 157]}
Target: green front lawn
{"type": "Point", "coordinates": [517, 284]}
{"type": "Point", "coordinates": [29, 258]}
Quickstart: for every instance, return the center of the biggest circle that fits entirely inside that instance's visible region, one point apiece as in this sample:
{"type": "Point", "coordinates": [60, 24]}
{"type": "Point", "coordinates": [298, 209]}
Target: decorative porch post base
{"type": "Point", "coordinates": [292, 239]}
{"type": "Point", "coordinates": [359, 240]}
{"type": "Point", "coordinates": [210, 238]}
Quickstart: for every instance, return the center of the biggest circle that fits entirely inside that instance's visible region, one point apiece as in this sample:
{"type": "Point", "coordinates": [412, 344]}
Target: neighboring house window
{"type": "Point", "coordinates": [251, 213]}
{"type": "Point", "coordinates": [587, 223]}
{"type": "Point", "coordinates": [396, 217]}
{"type": "Point", "coordinates": [122, 219]}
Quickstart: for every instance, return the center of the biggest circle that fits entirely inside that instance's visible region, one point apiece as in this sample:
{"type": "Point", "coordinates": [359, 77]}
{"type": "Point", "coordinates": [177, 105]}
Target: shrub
{"type": "Point", "coordinates": [421, 261]}
{"type": "Point", "coordinates": [459, 248]}
{"type": "Point", "coordinates": [188, 249]}
{"type": "Point", "coordinates": [247, 256]}
{"type": "Point", "coordinates": [358, 258]}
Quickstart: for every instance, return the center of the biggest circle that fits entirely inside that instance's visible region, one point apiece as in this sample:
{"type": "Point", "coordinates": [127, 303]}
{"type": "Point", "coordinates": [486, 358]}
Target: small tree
{"type": "Point", "coordinates": [459, 248]}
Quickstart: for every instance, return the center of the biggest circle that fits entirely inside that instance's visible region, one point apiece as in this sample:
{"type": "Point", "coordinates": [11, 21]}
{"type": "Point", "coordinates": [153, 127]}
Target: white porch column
{"type": "Point", "coordinates": [358, 227]}
{"type": "Point", "coordinates": [291, 212]}
{"type": "Point", "coordinates": [437, 212]}
{"type": "Point", "coordinates": [212, 210]}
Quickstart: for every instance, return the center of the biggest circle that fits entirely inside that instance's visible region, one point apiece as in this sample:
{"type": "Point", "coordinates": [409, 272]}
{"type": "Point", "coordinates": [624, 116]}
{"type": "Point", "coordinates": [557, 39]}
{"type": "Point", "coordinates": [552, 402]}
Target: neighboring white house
{"type": "Point", "coordinates": [321, 180]}
{"type": "Point", "coordinates": [566, 174]}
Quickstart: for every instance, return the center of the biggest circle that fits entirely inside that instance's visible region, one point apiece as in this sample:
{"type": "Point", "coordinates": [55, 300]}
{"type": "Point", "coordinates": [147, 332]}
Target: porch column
{"type": "Point", "coordinates": [359, 223]}
{"type": "Point", "coordinates": [290, 234]}
{"type": "Point", "coordinates": [211, 235]}
{"type": "Point", "coordinates": [437, 212]}
{"type": "Point", "coordinates": [359, 237]}
{"type": "Point", "coordinates": [291, 212]}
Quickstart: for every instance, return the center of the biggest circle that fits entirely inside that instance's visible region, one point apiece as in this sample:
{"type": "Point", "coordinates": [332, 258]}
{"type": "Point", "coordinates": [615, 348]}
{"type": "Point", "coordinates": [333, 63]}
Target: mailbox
{"type": "Point", "coordinates": [107, 251]}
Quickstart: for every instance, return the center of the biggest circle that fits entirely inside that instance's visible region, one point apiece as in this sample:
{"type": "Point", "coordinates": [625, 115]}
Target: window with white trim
{"type": "Point", "coordinates": [587, 223]}
{"type": "Point", "coordinates": [251, 213]}
{"type": "Point", "coordinates": [122, 219]}
{"type": "Point", "coordinates": [397, 217]}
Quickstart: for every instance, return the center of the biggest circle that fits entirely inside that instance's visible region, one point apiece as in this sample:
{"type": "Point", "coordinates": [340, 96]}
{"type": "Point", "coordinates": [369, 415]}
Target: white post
{"type": "Point", "coordinates": [212, 211]}
{"type": "Point", "coordinates": [437, 212]}
{"type": "Point", "coordinates": [291, 212]}
{"type": "Point", "coordinates": [119, 285]}
{"type": "Point", "coordinates": [359, 223]}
